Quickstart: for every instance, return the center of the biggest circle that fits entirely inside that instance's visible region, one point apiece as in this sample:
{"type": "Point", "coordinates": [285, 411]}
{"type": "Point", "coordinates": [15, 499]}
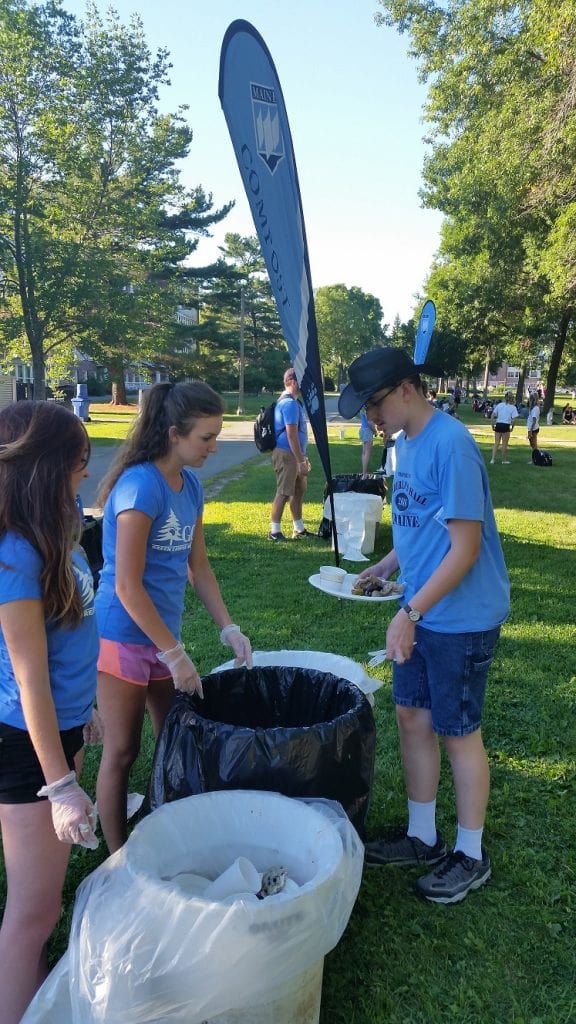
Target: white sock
{"type": "Point", "coordinates": [275, 528]}
{"type": "Point", "coordinates": [469, 841]}
{"type": "Point", "coordinates": [422, 821]}
{"type": "Point", "coordinates": [298, 525]}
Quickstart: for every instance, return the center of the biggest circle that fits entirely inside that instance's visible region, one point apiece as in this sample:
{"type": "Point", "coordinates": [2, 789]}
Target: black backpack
{"type": "Point", "coordinates": [264, 429]}
{"type": "Point", "coordinates": [541, 458]}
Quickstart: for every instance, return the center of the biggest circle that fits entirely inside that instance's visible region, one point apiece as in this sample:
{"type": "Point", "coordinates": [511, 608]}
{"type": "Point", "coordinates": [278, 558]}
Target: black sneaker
{"type": "Point", "coordinates": [276, 536]}
{"type": "Point", "coordinates": [300, 534]}
{"type": "Point", "coordinates": [399, 848]}
{"type": "Point", "coordinates": [454, 878]}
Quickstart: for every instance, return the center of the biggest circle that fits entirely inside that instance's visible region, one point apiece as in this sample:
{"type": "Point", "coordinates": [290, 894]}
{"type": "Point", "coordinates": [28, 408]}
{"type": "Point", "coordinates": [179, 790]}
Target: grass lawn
{"type": "Point", "coordinates": [506, 955]}
{"type": "Point", "coordinates": [111, 423]}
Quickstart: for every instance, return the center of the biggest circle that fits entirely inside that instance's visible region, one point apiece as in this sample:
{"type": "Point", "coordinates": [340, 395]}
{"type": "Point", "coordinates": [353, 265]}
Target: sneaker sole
{"type": "Point", "coordinates": [476, 884]}
{"type": "Point", "coordinates": [413, 863]}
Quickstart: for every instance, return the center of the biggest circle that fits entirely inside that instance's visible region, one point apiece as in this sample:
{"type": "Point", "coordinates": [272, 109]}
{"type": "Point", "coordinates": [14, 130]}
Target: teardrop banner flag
{"type": "Point", "coordinates": [253, 105]}
{"type": "Point", "coordinates": [424, 332]}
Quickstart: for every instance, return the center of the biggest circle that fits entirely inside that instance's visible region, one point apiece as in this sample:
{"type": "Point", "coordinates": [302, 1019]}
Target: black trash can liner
{"type": "Point", "coordinates": [372, 483]}
{"type": "Point", "coordinates": [293, 731]}
{"type": "Point", "coordinates": [91, 542]}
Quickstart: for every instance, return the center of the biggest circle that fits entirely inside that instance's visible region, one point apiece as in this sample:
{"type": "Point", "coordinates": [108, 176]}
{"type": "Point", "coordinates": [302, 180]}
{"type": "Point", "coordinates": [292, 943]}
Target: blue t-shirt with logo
{"type": "Point", "coordinates": [289, 410]}
{"type": "Point", "coordinates": [173, 516]}
{"type": "Point", "coordinates": [72, 653]}
{"type": "Point", "coordinates": [440, 475]}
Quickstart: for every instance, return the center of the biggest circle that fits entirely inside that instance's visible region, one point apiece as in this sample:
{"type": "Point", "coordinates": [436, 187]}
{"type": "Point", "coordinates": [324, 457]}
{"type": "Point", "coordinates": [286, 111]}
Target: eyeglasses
{"type": "Point", "coordinates": [373, 403]}
{"type": "Point", "coordinates": [83, 462]}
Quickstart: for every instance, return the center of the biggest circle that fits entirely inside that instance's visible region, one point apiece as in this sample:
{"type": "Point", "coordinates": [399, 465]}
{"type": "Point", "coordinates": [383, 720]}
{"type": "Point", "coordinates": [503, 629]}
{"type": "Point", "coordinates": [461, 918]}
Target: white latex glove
{"type": "Point", "coordinates": [232, 637]}
{"type": "Point", "coordinates": [73, 813]}
{"type": "Point", "coordinates": [183, 671]}
{"type": "Point", "coordinates": [93, 731]}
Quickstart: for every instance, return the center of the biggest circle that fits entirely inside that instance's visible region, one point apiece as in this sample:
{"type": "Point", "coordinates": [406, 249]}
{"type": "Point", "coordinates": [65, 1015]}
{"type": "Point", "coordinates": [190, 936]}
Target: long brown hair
{"type": "Point", "coordinates": [163, 406]}
{"type": "Point", "coordinates": [41, 443]}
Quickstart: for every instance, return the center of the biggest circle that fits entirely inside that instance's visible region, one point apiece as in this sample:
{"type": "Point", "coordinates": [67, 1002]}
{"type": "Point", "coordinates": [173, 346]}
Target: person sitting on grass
{"type": "Point", "coordinates": [568, 416]}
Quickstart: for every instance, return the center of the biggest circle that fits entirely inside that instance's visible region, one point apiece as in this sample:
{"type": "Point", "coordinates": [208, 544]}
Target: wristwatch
{"type": "Point", "coordinates": [412, 614]}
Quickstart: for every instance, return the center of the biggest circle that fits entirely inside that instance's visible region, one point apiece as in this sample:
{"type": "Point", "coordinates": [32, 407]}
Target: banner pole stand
{"type": "Point", "coordinates": [334, 530]}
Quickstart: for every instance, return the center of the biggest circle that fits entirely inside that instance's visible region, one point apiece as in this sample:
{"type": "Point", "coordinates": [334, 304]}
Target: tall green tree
{"type": "Point", "coordinates": [349, 323]}
{"type": "Point", "coordinates": [91, 208]}
{"type": "Point", "coordinates": [500, 105]}
{"type": "Point", "coordinates": [239, 279]}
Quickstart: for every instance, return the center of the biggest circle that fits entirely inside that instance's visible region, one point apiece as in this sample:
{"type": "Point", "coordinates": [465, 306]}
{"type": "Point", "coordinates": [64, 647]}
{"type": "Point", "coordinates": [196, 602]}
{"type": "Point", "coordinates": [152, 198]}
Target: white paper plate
{"type": "Point", "coordinates": [345, 590]}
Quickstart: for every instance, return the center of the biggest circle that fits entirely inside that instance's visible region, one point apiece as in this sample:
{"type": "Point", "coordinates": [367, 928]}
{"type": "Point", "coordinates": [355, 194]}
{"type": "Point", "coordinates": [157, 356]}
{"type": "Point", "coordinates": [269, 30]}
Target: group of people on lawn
{"type": "Point", "coordinates": [62, 646]}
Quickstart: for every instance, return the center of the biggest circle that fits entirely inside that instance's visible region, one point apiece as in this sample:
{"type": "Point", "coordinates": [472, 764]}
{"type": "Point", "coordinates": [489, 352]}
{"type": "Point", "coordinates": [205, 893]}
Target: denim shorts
{"type": "Point", "coordinates": [134, 663]}
{"type": "Point", "coordinates": [447, 674]}
{"type": "Point", "coordinates": [20, 773]}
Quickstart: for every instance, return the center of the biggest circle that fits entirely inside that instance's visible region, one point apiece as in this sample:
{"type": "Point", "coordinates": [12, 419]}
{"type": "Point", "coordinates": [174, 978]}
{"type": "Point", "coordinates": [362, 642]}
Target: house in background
{"type": "Point", "coordinates": [507, 377]}
{"type": "Point", "coordinates": [7, 389]}
{"type": "Point", "coordinates": [137, 376]}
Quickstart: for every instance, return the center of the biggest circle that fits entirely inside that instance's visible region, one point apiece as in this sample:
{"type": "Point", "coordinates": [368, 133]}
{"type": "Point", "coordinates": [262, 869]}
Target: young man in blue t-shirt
{"type": "Point", "coordinates": [442, 640]}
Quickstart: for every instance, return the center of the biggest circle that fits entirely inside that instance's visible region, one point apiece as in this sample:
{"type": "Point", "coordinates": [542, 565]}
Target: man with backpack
{"type": "Point", "coordinates": [289, 459]}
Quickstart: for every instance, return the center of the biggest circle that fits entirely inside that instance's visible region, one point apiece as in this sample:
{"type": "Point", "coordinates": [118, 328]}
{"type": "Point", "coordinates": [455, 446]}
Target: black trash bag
{"type": "Point", "coordinates": [293, 731]}
{"type": "Point", "coordinates": [325, 528]}
{"type": "Point", "coordinates": [373, 483]}
{"type": "Point", "coordinates": [91, 543]}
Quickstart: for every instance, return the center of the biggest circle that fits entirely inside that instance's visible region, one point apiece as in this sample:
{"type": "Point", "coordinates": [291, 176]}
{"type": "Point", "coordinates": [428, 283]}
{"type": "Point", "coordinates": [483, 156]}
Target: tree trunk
{"type": "Point", "coordinates": [556, 359]}
{"type": "Point", "coordinates": [116, 374]}
{"type": "Point", "coordinates": [520, 386]}
{"type": "Point", "coordinates": [119, 392]}
{"type": "Point", "coordinates": [486, 375]}
{"type": "Point", "coordinates": [38, 373]}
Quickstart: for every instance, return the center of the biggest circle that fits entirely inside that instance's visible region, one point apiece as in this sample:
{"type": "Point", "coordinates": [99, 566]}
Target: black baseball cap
{"type": "Point", "coordinates": [379, 368]}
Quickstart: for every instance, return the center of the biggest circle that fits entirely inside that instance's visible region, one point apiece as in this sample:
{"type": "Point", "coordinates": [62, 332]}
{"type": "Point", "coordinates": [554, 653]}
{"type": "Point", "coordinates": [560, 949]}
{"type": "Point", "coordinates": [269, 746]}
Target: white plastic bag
{"type": "Point", "coordinates": [143, 950]}
{"type": "Point", "coordinates": [320, 661]}
{"type": "Point", "coordinates": [356, 518]}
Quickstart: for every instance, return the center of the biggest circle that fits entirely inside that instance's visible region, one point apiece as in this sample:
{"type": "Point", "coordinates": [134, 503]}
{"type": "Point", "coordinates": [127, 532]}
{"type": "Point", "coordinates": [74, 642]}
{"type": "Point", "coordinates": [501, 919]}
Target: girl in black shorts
{"type": "Point", "coordinates": [48, 651]}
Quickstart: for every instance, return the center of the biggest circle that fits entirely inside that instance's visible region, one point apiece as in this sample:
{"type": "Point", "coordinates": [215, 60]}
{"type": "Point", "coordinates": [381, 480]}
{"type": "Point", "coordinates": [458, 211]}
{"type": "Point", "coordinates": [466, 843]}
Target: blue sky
{"type": "Point", "coordinates": [355, 109]}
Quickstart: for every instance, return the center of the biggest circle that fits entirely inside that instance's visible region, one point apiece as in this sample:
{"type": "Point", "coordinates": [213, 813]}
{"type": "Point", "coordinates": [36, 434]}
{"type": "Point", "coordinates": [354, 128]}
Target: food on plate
{"type": "Point", "coordinates": [374, 586]}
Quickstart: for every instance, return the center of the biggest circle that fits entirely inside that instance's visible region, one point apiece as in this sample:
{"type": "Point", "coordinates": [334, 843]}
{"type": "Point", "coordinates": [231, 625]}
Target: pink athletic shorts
{"type": "Point", "coordinates": [135, 663]}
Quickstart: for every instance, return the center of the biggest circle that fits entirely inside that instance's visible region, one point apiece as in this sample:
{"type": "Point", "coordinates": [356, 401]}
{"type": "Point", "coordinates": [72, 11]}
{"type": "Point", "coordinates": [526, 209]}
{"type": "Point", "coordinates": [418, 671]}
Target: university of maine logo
{"type": "Point", "coordinates": [269, 140]}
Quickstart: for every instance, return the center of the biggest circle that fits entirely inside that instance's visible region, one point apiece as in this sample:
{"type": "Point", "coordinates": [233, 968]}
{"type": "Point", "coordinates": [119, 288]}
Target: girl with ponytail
{"type": "Point", "coordinates": [153, 544]}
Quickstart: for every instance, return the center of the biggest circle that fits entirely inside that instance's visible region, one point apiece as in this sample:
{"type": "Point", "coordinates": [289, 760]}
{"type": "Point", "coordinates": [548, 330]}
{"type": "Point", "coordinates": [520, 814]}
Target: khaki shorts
{"type": "Point", "coordinates": [288, 481]}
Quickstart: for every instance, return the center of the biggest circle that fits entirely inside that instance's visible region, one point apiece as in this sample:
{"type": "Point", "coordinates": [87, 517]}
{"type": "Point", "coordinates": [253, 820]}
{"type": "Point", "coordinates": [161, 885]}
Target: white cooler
{"type": "Point", "coordinates": [359, 510]}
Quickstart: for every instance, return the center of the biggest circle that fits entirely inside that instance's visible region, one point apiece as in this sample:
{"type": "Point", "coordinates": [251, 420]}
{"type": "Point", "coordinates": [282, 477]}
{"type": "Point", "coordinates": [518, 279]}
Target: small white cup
{"type": "Point", "coordinates": [240, 877]}
{"type": "Point", "coordinates": [332, 575]}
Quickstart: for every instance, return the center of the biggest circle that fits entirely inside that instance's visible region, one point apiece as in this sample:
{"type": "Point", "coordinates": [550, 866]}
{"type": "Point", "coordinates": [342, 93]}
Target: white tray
{"type": "Point", "coordinates": [345, 590]}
